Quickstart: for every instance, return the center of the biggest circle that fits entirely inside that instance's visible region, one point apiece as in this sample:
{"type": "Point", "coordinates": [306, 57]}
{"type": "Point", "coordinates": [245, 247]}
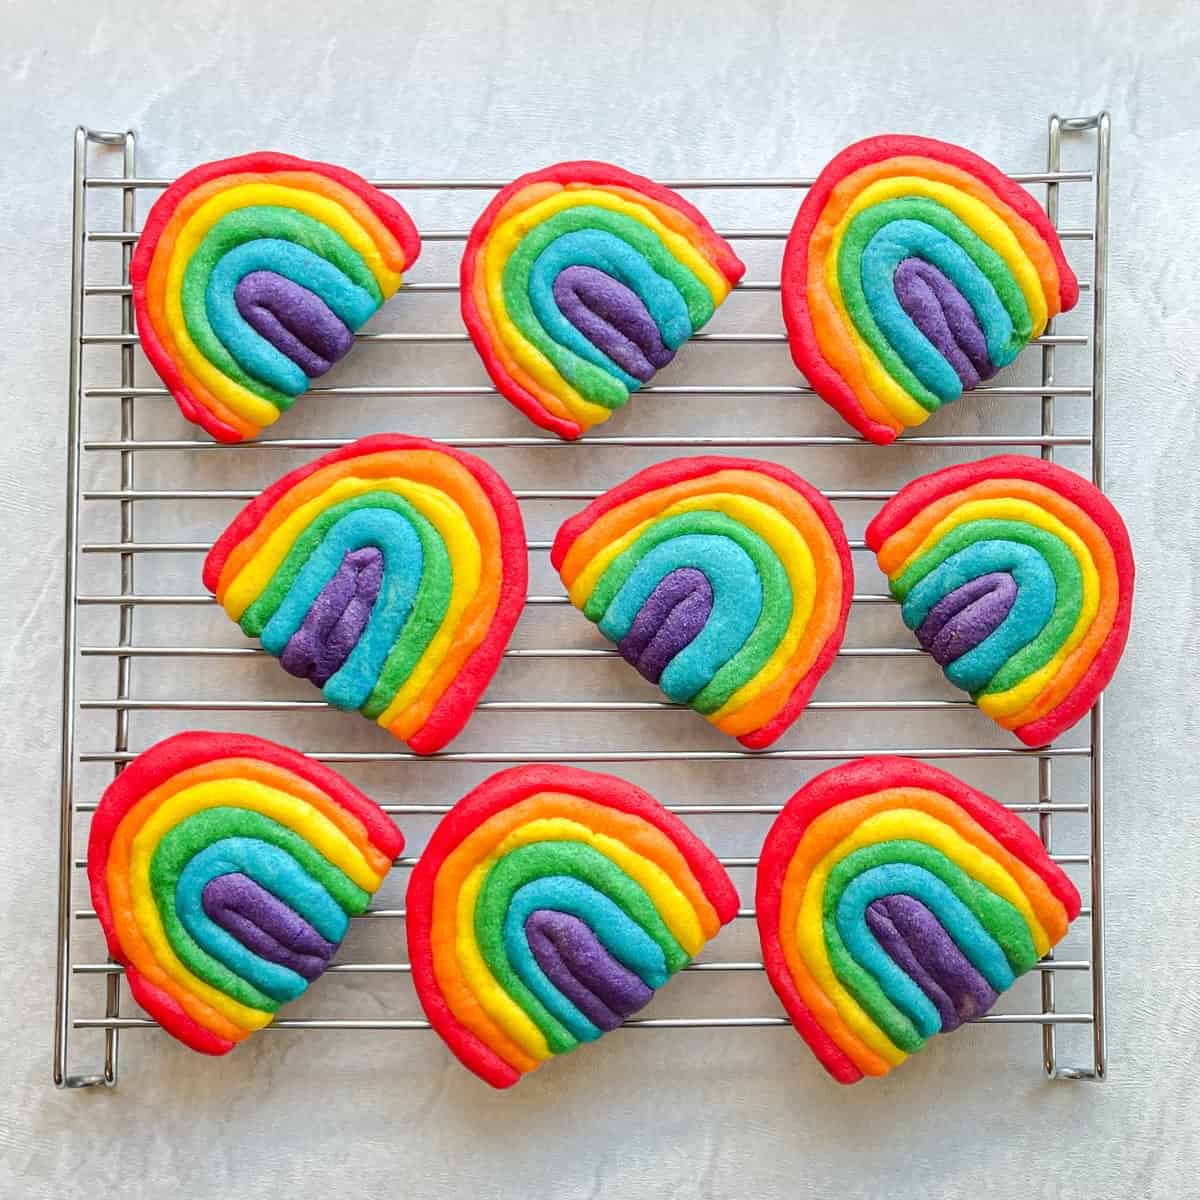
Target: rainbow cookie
{"type": "Point", "coordinates": [914, 271]}
{"type": "Point", "coordinates": [389, 572]}
{"type": "Point", "coordinates": [895, 902]}
{"type": "Point", "coordinates": [224, 870]}
{"type": "Point", "coordinates": [549, 906]}
{"type": "Point", "coordinates": [1017, 576]}
{"type": "Point", "coordinates": [726, 581]}
{"type": "Point", "coordinates": [251, 276]}
{"type": "Point", "coordinates": [580, 281]}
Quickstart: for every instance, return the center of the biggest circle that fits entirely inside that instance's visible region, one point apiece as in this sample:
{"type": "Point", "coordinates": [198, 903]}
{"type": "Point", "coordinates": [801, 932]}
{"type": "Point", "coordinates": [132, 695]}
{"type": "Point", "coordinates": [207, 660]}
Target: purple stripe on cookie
{"type": "Point", "coordinates": [916, 942]}
{"type": "Point", "coordinates": [604, 990]}
{"type": "Point", "coordinates": [339, 614]}
{"type": "Point", "coordinates": [265, 925]}
{"type": "Point", "coordinates": [294, 320]}
{"type": "Point", "coordinates": [672, 617]}
{"type": "Point", "coordinates": [613, 318]}
{"type": "Point", "coordinates": [963, 618]}
{"type": "Point", "coordinates": [941, 312]}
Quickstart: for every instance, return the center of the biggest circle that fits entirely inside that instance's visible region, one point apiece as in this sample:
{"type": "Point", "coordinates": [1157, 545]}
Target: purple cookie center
{"type": "Point", "coordinates": [613, 318]}
{"type": "Point", "coordinates": [916, 942]}
{"type": "Point", "coordinates": [958, 622]}
{"type": "Point", "coordinates": [265, 925]}
{"type": "Point", "coordinates": [334, 623]}
{"type": "Point", "coordinates": [673, 615]}
{"type": "Point", "coordinates": [297, 322]}
{"type": "Point", "coordinates": [604, 990]}
{"type": "Point", "coordinates": [941, 312]}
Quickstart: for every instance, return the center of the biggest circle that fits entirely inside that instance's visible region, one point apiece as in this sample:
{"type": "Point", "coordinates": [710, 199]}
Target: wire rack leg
{"type": "Point", "coordinates": [62, 1015]}
{"type": "Point", "coordinates": [84, 139]}
{"type": "Point", "coordinates": [1100, 266]}
{"type": "Point", "coordinates": [1101, 127]}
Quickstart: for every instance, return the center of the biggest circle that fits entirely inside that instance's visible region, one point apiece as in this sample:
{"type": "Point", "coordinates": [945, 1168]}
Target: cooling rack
{"type": "Point", "coordinates": [147, 654]}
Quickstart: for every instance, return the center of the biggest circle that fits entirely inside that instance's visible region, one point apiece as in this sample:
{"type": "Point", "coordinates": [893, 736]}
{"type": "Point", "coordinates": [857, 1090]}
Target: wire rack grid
{"type": "Point", "coordinates": [135, 468]}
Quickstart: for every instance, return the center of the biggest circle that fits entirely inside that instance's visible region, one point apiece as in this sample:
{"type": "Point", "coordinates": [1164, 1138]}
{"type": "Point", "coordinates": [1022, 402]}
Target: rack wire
{"type": "Point", "coordinates": [133, 465]}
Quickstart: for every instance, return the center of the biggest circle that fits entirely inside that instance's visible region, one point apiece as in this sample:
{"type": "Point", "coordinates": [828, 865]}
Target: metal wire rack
{"type": "Point", "coordinates": [129, 594]}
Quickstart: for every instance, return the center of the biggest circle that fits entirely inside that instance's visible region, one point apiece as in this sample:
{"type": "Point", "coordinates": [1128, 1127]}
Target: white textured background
{"type": "Point", "coordinates": [698, 89]}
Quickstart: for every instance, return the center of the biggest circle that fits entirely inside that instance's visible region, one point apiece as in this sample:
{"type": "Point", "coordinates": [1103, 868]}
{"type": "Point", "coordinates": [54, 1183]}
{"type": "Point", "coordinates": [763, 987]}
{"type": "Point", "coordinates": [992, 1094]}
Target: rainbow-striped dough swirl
{"type": "Point", "coordinates": [548, 907]}
{"type": "Point", "coordinates": [224, 870]}
{"type": "Point", "coordinates": [895, 902]}
{"type": "Point", "coordinates": [914, 270]}
{"type": "Point", "coordinates": [251, 276]}
{"type": "Point", "coordinates": [1017, 576]}
{"type": "Point", "coordinates": [726, 581]}
{"type": "Point", "coordinates": [580, 281]}
{"type": "Point", "coordinates": [389, 572]}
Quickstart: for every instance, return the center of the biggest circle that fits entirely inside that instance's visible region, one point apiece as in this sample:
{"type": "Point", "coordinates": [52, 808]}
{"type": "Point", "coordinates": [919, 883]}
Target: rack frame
{"type": "Point", "coordinates": [125, 651]}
